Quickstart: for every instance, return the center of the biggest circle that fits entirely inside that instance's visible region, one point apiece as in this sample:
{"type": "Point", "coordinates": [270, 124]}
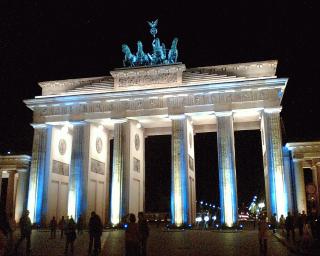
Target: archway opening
{"type": "Point", "coordinates": [158, 174]}
{"type": "Point", "coordinates": [250, 173]}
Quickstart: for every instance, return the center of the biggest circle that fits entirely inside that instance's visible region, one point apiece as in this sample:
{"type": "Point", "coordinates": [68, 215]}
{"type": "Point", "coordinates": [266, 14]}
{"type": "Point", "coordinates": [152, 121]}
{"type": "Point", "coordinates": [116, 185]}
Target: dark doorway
{"type": "Point", "coordinates": [157, 173]}
{"type": "Point", "coordinates": [4, 187]}
{"type": "Point", "coordinates": [249, 166]}
{"type": "Point", "coordinates": [206, 162]}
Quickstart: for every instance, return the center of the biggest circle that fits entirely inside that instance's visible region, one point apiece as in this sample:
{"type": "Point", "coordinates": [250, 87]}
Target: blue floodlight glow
{"type": "Point", "coordinates": [179, 187]}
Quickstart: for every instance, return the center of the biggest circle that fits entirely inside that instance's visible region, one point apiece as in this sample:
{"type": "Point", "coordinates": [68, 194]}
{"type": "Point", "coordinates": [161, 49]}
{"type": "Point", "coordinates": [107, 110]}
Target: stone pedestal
{"type": "Point", "coordinates": [227, 169]}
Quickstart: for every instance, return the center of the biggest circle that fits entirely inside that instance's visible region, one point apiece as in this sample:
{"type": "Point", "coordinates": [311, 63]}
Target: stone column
{"type": "Point", "coordinates": [0, 182]}
{"type": "Point", "coordinates": [273, 163]}
{"type": "Point", "coordinates": [10, 194]}
{"type": "Point", "coordinates": [288, 179]}
{"type": "Point", "coordinates": [39, 171]}
{"type": "Point", "coordinates": [316, 180]}
{"type": "Point", "coordinates": [117, 198]}
{"type": "Point", "coordinates": [300, 188]}
{"type": "Point", "coordinates": [227, 169]}
{"type": "Point", "coordinates": [179, 202]}
{"type": "Point", "coordinates": [77, 197]}
{"type": "Point", "coordinates": [21, 196]}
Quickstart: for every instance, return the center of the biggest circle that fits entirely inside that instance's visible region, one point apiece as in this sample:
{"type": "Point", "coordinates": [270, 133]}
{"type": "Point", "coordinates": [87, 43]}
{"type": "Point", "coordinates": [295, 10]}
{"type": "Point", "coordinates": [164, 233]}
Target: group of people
{"type": "Point", "coordinates": [308, 227]}
{"type": "Point", "coordinates": [136, 235]}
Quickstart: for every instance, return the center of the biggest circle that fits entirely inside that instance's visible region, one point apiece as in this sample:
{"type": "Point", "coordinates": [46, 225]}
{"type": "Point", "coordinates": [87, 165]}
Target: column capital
{"type": "Point", "coordinates": [223, 113]}
{"type": "Point", "coordinates": [272, 110]}
{"type": "Point", "coordinates": [118, 120]}
{"type": "Point", "coordinates": [39, 126]}
{"type": "Point", "coordinates": [177, 117]}
{"type": "Point", "coordinates": [297, 160]}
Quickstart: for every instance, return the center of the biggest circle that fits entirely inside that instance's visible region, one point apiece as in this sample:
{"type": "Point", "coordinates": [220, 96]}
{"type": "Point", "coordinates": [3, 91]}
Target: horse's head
{"type": "Point", "coordinates": [140, 46]}
{"type": "Point", "coordinates": [125, 49]}
{"type": "Point", "coordinates": [174, 43]}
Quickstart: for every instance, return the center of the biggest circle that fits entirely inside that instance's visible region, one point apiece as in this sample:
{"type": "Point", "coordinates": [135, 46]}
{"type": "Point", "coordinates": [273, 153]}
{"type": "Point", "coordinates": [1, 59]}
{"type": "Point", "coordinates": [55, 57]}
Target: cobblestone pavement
{"type": "Point", "coordinates": [161, 242]}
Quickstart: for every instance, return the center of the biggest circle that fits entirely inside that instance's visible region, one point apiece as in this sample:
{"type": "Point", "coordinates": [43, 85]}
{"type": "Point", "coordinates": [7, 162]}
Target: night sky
{"type": "Point", "coordinates": [68, 39]}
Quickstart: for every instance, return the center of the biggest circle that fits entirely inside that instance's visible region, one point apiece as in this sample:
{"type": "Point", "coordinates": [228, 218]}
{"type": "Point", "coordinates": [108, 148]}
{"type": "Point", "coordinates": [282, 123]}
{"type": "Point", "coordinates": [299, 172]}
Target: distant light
{"type": "Point", "coordinates": [206, 203]}
{"type": "Point", "coordinates": [241, 226]}
{"type": "Point", "coordinates": [255, 196]}
{"type": "Point", "coordinates": [125, 225]}
{"type": "Point", "coordinates": [213, 206]}
{"type": "Point", "coordinates": [210, 205]}
{"type": "Point", "coordinates": [198, 219]}
{"type": "Point", "coordinates": [214, 217]}
{"type": "Point", "coordinates": [190, 225]}
{"type": "Point", "coordinates": [201, 202]}
{"type": "Point", "coordinates": [206, 218]}
{"type": "Point", "coordinates": [269, 225]}
{"type": "Point", "coordinates": [9, 152]}
{"type": "Point", "coordinates": [217, 225]}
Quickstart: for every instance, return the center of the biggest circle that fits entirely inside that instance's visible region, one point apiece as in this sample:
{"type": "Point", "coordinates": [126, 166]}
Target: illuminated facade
{"type": "Point", "coordinates": [74, 121]}
{"type": "Point", "coordinates": [14, 168]}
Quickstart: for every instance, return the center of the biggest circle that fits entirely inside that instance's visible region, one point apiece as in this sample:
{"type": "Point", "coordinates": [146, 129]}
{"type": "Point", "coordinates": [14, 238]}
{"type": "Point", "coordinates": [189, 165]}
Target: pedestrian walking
{"type": "Point", "coordinates": [80, 225]}
{"type": "Point", "coordinates": [5, 231]}
{"type": "Point", "coordinates": [62, 226]}
{"type": "Point", "coordinates": [273, 222]}
{"type": "Point", "coordinates": [263, 234]}
{"type": "Point", "coordinates": [282, 224]}
{"type": "Point", "coordinates": [95, 232]}
{"type": "Point", "coordinates": [25, 231]}
{"type": "Point", "coordinates": [71, 236]}
{"type": "Point", "coordinates": [289, 224]}
{"type": "Point", "coordinates": [132, 237]}
{"type": "Point", "coordinates": [143, 233]}
{"type": "Point", "coordinates": [53, 227]}
{"type": "Point", "coordinates": [300, 225]}
{"type": "Point", "coordinates": [306, 237]}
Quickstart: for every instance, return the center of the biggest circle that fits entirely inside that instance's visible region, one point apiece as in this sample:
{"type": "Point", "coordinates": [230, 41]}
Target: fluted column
{"type": "Point", "coordinates": [38, 171]}
{"type": "Point", "coordinates": [288, 179]}
{"type": "Point", "coordinates": [300, 189]}
{"type": "Point", "coordinates": [78, 189]}
{"type": "Point", "coordinates": [276, 193]}
{"type": "Point", "coordinates": [316, 180]}
{"type": "Point", "coordinates": [10, 194]}
{"type": "Point", "coordinates": [227, 169]}
{"type": "Point", "coordinates": [0, 182]}
{"type": "Point", "coordinates": [117, 198]}
{"type": "Point", "coordinates": [21, 196]}
{"type": "Point", "coordinates": [180, 196]}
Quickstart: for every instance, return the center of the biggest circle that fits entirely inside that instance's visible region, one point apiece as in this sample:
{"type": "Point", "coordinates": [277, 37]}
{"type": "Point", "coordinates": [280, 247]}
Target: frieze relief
{"type": "Point", "coordinates": [148, 79]}
{"type": "Point", "coordinates": [175, 102]}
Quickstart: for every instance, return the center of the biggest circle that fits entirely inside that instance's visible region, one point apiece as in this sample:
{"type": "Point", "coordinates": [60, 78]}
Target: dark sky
{"type": "Point", "coordinates": [69, 39]}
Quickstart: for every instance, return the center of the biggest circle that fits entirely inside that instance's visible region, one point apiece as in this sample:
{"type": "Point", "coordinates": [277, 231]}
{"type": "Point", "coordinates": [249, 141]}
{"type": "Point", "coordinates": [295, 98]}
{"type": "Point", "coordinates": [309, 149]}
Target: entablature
{"type": "Point", "coordinates": [265, 93]}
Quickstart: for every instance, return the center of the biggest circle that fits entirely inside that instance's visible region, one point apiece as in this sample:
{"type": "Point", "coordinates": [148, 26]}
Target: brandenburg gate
{"type": "Point", "coordinates": [75, 119]}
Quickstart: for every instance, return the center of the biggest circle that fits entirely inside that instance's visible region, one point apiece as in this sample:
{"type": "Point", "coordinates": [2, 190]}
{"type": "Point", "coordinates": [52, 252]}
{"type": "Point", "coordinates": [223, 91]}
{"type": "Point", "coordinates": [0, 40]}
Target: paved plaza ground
{"type": "Point", "coordinates": [163, 242]}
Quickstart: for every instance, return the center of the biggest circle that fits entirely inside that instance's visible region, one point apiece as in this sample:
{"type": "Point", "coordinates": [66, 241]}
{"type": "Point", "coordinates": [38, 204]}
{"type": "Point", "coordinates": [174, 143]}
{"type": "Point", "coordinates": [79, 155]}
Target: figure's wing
{"type": "Point", "coordinates": [155, 23]}
{"type": "Point", "coordinates": [150, 23]}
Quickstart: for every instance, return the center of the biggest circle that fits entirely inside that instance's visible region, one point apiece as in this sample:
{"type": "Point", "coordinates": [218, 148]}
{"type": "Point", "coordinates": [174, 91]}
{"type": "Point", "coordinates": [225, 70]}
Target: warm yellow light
{"type": "Point", "coordinates": [72, 204]}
